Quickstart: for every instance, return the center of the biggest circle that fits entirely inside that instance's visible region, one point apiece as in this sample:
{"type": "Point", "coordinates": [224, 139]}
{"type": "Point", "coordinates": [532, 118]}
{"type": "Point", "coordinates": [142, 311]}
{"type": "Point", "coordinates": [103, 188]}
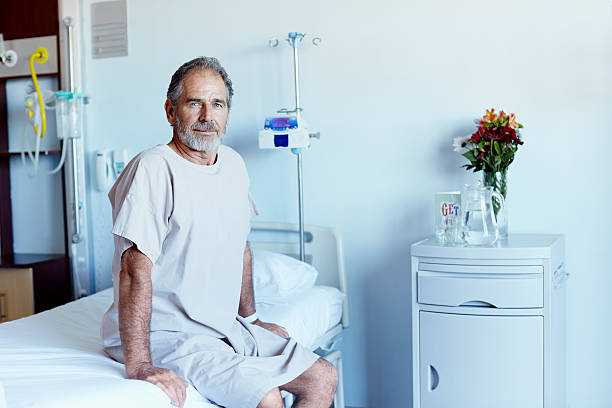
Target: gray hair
{"type": "Point", "coordinates": [201, 63]}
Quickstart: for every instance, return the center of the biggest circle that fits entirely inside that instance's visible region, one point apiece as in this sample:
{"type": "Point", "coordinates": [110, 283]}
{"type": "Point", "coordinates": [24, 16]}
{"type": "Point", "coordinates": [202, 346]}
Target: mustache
{"type": "Point", "coordinates": [205, 126]}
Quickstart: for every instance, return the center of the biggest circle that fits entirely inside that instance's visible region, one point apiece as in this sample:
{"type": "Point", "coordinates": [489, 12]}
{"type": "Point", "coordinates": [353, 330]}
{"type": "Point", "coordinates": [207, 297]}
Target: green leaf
{"type": "Point", "coordinates": [469, 155]}
{"type": "Point", "coordinates": [497, 148]}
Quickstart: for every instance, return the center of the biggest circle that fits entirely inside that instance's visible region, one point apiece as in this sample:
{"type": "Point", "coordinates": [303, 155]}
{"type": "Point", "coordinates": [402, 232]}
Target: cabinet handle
{"type": "Point", "coordinates": [434, 379]}
{"type": "Point", "coordinates": [2, 315]}
{"type": "Point", "coordinates": [478, 303]}
{"type": "Point", "coordinates": [559, 277]}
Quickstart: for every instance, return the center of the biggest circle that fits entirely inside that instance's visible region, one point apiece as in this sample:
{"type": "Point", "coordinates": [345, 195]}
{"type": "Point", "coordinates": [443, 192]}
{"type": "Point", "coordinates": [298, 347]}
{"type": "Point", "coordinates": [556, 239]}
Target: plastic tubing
{"type": "Point", "coordinates": [62, 159]}
{"type": "Point", "coordinates": [40, 55]}
{"type": "Point", "coordinates": [26, 146]}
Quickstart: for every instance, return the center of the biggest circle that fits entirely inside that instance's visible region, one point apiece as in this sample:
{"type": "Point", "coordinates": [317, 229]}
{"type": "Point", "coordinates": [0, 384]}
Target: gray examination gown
{"type": "Point", "coordinates": [192, 222]}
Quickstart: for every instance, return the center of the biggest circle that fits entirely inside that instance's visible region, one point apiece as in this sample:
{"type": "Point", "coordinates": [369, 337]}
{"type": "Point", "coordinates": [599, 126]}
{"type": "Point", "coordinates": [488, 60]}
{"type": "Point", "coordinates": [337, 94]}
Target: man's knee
{"type": "Point", "coordinates": [272, 399]}
{"type": "Point", "coordinates": [328, 377]}
{"type": "Point", "coordinates": [323, 379]}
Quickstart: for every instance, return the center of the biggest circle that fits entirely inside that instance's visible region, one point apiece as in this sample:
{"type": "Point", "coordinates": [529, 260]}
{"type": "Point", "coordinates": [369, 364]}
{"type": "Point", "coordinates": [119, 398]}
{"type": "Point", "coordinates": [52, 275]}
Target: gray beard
{"type": "Point", "coordinates": [197, 142]}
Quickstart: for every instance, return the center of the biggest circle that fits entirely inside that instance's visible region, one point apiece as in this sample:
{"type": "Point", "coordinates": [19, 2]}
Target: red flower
{"type": "Point", "coordinates": [476, 137]}
{"type": "Point", "coordinates": [481, 155]}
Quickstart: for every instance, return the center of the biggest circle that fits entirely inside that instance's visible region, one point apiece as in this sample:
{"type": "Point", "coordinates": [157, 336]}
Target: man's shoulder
{"type": "Point", "coordinates": [229, 152]}
{"type": "Point", "coordinates": [147, 165]}
{"type": "Point", "coordinates": [231, 156]}
{"type": "Point", "coordinates": [153, 155]}
{"type": "Point", "coordinates": [153, 160]}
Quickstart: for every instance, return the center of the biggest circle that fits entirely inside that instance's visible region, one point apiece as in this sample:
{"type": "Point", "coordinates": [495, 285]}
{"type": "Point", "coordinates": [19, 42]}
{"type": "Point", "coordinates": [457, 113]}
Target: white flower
{"type": "Point", "coordinates": [460, 143]}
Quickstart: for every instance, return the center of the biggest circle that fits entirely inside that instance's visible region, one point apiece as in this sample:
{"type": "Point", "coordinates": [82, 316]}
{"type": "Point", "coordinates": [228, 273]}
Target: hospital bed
{"type": "Point", "coordinates": [55, 358]}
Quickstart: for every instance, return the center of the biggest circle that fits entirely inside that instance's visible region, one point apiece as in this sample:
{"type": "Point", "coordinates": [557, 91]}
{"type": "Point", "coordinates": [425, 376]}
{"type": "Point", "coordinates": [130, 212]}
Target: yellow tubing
{"type": "Point", "coordinates": [40, 55]}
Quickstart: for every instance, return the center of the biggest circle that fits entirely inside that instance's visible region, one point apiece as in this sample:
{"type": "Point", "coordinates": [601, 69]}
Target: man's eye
{"type": "Point", "coordinates": [194, 104]}
{"type": "Point", "coordinates": [218, 105]}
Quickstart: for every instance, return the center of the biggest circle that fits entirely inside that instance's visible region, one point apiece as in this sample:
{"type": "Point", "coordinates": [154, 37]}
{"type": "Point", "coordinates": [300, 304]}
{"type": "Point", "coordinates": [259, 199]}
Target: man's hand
{"type": "Point", "coordinates": [170, 382]}
{"type": "Point", "coordinates": [274, 328]}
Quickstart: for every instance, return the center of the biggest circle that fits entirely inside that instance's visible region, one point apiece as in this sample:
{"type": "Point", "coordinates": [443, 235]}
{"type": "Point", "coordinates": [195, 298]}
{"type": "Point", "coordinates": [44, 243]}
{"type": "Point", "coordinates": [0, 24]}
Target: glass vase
{"type": "Point", "coordinates": [497, 180]}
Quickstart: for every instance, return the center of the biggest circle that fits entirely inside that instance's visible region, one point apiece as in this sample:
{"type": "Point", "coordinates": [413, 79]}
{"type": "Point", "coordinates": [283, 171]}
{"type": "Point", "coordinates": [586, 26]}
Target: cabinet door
{"type": "Point", "coordinates": [16, 294]}
{"type": "Point", "coordinates": [481, 361]}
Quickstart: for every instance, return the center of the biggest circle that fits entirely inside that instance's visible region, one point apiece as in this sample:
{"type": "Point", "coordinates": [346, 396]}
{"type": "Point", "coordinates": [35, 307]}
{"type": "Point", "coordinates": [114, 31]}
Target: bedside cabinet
{"type": "Point", "coordinates": [32, 283]}
{"type": "Point", "coordinates": [488, 324]}
{"type": "Point", "coordinates": [16, 293]}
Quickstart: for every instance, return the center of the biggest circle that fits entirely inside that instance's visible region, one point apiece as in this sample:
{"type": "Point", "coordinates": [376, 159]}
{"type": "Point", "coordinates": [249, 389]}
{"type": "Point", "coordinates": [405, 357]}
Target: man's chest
{"type": "Point", "coordinates": [210, 204]}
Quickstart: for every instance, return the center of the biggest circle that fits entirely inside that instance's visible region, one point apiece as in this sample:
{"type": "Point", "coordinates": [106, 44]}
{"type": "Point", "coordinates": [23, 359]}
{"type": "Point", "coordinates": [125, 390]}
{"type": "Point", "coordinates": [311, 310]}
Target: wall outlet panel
{"type": "Point", "coordinates": [24, 48]}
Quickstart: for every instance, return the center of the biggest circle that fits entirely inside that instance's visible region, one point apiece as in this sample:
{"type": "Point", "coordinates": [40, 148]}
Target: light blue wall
{"type": "Point", "coordinates": [392, 83]}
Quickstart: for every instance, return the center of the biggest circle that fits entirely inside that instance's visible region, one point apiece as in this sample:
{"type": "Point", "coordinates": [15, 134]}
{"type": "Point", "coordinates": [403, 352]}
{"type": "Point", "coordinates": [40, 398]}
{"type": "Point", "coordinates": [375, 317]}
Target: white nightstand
{"type": "Point", "coordinates": [488, 324]}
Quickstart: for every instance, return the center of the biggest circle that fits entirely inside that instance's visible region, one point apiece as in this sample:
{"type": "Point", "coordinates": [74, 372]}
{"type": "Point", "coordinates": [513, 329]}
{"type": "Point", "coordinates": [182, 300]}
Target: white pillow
{"type": "Point", "coordinates": [306, 315]}
{"type": "Point", "coordinates": [277, 275]}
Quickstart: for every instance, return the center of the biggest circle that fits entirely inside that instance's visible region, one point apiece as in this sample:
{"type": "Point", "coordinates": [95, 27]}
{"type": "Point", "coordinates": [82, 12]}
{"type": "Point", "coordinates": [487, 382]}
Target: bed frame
{"type": "Point", "coordinates": [324, 251]}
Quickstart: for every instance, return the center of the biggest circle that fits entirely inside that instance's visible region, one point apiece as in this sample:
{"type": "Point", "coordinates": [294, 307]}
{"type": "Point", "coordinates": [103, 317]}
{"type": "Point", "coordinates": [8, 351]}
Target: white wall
{"type": "Point", "coordinates": [392, 83]}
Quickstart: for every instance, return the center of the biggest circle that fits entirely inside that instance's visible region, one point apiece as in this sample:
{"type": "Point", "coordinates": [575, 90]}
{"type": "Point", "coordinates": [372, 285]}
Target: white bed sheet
{"type": "Point", "coordinates": [55, 358]}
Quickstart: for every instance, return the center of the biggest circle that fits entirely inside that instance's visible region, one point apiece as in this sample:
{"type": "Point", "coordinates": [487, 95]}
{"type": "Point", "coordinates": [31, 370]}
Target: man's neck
{"type": "Point", "coordinates": [204, 158]}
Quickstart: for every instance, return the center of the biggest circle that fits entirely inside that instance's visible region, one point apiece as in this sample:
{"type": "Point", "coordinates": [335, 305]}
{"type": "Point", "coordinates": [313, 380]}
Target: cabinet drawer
{"type": "Point", "coordinates": [16, 293]}
{"type": "Point", "coordinates": [493, 288]}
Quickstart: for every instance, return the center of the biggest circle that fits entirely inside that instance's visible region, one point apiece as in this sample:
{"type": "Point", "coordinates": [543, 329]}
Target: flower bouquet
{"type": "Point", "coordinates": [491, 149]}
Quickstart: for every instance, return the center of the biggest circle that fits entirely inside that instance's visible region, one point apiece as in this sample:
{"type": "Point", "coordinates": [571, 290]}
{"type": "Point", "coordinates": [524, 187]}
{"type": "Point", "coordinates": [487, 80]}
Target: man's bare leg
{"type": "Point", "coordinates": [315, 387]}
{"type": "Point", "coordinates": [272, 399]}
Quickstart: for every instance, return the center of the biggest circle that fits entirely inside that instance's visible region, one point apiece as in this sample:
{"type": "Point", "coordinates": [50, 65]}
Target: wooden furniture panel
{"type": "Point", "coordinates": [50, 274]}
{"type": "Point", "coordinates": [28, 18]}
{"type": "Point", "coordinates": [50, 277]}
{"type": "Point", "coordinates": [16, 293]}
{"type": "Point", "coordinates": [6, 217]}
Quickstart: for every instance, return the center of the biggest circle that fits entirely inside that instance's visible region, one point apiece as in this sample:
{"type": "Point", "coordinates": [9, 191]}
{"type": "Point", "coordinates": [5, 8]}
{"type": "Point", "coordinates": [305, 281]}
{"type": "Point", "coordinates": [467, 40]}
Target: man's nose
{"type": "Point", "coordinates": [205, 113]}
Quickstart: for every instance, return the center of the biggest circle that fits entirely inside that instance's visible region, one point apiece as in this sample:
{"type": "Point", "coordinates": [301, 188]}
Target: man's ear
{"type": "Point", "coordinates": [170, 112]}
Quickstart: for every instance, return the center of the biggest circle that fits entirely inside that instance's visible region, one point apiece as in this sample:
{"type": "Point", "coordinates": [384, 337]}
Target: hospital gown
{"type": "Point", "coordinates": [192, 222]}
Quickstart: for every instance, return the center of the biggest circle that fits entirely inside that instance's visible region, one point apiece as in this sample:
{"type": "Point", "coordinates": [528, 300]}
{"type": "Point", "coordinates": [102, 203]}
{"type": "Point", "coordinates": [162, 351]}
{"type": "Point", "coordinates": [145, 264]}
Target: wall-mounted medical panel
{"type": "Point", "coordinates": [109, 29]}
{"type": "Point", "coordinates": [24, 48]}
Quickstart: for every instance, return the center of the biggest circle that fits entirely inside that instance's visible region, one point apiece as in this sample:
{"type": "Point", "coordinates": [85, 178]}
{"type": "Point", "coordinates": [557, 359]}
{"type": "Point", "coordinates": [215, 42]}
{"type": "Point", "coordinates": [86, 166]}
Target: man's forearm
{"type": "Point", "coordinates": [247, 298]}
{"type": "Point", "coordinates": [135, 309]}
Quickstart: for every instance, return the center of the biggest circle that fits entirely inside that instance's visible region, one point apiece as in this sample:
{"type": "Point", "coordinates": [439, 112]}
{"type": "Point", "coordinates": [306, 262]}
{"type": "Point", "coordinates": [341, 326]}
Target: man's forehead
{"type": "Point", "coordinates": [199, 78]}
{"type": "Point", "coordinates": [204, 84]}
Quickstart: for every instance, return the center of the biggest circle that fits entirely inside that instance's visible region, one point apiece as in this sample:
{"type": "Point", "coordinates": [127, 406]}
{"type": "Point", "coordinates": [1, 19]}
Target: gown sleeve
{"type": "Point", "coordinates": [142, 203]}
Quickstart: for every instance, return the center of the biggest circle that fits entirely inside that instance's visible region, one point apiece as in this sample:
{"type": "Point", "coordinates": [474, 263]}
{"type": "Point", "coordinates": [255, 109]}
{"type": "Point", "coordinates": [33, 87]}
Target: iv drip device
{"type": "Point", "coordinates": [287, 129]}
{"type": "Point", "coordinates": [68, 111]}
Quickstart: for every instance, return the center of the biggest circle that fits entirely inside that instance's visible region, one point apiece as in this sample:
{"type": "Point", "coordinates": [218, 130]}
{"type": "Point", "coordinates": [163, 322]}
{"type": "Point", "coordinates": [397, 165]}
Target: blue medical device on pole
{"type": "Point", "coordinates": [287, 129]}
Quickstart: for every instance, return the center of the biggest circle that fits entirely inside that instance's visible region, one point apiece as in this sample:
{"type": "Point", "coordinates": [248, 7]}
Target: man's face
{"type": "Point", "coordinates": [201, 113]}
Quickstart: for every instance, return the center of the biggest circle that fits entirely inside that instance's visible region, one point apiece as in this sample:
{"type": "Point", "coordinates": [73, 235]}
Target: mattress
{"type": "Point", "coordinates": [55, 358]}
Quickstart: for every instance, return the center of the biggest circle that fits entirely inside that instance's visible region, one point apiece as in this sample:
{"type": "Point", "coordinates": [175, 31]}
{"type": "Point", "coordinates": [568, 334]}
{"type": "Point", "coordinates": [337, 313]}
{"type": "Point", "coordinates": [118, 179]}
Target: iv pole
{"type": "Point", "coordinates": [76, 237]}
{"type": "Point", "coordinates": [294, 40]}
{"type": "Point", "coordinates": [78, 243]}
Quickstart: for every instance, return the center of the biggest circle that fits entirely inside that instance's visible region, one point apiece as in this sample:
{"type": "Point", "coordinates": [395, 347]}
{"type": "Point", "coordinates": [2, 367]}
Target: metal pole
{"type": "Point", "coordinates": [76, 237]}
{"type": "Point", "coordinates": [297, 81]}
{"type": "Point", "coordinates": [301, 204]}
{"type": "Point", "coordinates": [295, 39]}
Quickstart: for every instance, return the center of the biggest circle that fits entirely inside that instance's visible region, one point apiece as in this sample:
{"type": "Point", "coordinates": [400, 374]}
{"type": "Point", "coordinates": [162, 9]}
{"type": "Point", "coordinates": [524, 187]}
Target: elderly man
{"type": "Point", "coordinates": [184, 309]}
